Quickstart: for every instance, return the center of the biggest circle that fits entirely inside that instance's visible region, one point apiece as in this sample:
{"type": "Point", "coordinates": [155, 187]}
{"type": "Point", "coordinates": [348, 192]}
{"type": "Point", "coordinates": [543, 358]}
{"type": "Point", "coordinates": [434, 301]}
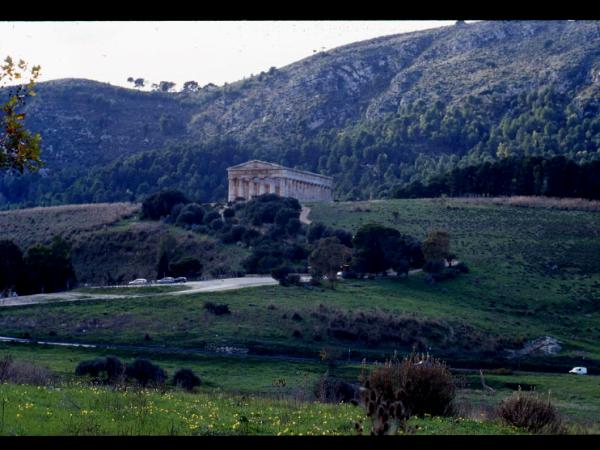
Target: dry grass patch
{"type": "Point", "coordinates": [581, 204]}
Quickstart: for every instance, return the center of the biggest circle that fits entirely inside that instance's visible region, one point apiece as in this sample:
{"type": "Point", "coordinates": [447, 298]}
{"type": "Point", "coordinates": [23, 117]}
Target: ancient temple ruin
{"type": "Point", "coordinates": [255, 177]}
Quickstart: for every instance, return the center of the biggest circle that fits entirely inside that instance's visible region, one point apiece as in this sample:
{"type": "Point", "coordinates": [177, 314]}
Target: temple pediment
{"type": "Point", "coordinates": [256, 165]}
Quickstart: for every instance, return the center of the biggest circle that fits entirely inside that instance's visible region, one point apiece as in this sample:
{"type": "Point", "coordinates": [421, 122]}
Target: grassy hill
{"type": "Point", "coordinates": [109, 242]}
{"type": "Point", "coordinates": [534, 272]}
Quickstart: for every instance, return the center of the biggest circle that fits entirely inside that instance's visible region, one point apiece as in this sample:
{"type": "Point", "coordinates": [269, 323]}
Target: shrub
{"type": "Point", "coordinates": [462, 267]}
{"type": "Point", "coordinates": [328, 389]}
{"type": "Point", "coordinates": [186, 267]}
{"type": "Point", "coordinates": [145, 373]}
{"type": "Point", "coordinates": [434, 267]}
{"type": "Point", "coordinates": [281, 274]}
{"type": "Point", "coordinates": [186, 379]}
{"type": "Point", "coordinates": [160, 204]}
{"type": "Point", "coordinates": [210, 216]}
{"type": "Point", "coordinates": [23, 372]}
{"type": "Point", "coordinates": [191, 214]}
{"type": "Point", "coordinates": [228, 212]}
{"type": "Point", "coordinates": [107, 369]}
{"type": "Point", "coordinates": [422, 383]}
{"type": "Point", "coordinates": [217, 309]}
{"type": "Point", "coordinates": [531, 412]}
{"type": "Point", "coordinates": [217, 224]}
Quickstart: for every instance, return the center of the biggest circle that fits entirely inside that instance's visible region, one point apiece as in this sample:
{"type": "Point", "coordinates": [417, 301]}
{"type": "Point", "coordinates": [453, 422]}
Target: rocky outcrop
{"type": "Point", "coordinates": [543, 346]}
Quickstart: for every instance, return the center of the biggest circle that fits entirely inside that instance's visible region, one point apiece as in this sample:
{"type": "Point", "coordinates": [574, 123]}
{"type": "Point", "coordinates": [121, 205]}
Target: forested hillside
{"type": "Point", "coordinates": [375, 115]}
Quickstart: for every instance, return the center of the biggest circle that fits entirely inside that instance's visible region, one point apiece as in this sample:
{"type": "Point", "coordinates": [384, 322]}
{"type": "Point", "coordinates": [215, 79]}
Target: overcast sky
{"type": "Point", "coordinates": [206, 52]}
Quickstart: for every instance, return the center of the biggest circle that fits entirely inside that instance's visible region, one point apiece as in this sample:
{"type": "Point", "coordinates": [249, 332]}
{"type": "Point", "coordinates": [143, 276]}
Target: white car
{"type": "Point", "coordinates": [579, 370]}
{"type": "Point", "coordinates": [166, 280]}
{"type": "Point", "coordinates": [138, 281]}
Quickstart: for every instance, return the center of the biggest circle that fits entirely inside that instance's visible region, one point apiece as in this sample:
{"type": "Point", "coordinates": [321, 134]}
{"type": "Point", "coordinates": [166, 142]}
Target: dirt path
{"type": "Point", "coordinates": [304, 215]}
{"type": "Point", "coordinates": [194, 287]}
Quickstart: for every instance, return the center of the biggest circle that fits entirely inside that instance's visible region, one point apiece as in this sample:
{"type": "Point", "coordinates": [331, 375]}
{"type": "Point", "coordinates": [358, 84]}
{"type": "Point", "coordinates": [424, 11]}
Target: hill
{"type": "Point", "coordinates": [372, 114]}
{"type": "Point", "coordinates": [542, 281]}
{"type": "Point", "coordinates": [109, 244]}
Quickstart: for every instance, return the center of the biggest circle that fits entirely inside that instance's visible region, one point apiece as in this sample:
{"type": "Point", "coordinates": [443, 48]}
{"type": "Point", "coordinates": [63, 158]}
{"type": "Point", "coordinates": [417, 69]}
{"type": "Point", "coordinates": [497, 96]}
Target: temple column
{"type": "Point", "coordinates": [231, 191]}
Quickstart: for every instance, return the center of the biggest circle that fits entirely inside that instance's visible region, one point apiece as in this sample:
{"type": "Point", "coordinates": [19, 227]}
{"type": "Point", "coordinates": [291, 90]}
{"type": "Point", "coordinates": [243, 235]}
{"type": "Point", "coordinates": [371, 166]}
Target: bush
{"type": "Point", "coordinates": [106, 370]}
{"type": "Point", "coordinates": [23, 372]}
{"type": "Point", "coordinates": [186, 267]}
{"type": "Point", "coordinates": [531, 412]}
{"type": "Point", "coordinates": [461, 267]}
{"type": "Point", "coordinates": [210, 216]}
{"type": "Point", "coordinates": [281, 274]}
{"type": "Point", "coordinates": [217, 309]}
{"type": "Point", "coordinates": [328, 389]}
{"type": "Point", "coordinates": [423, 385]}
{"type": "Point", "coordinates": [217, 224]}
{"type": "Point", "coordinates": [160, 204]}
{"type": "Point", "coordinates": [434, 267]}
{"type": "Point", "coordinates": [186, 379]}
{"type": "Point", "coordinates": [145, 373]}
{"type": "Point", "coordinates": [191, 214]}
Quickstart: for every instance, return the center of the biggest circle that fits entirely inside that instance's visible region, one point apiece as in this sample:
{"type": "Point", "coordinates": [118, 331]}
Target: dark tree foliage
{"type": "Point", "coordinates": [186, 267]}
{"type": "Point", "coordinates": [107, 370]}
{"type": "Point", "coordinates": [378, 248]}
{"type": "Point", "coordinates": [163, 266]}
{"type": "Point", "coordinates": [160, 204]}
{"type": "Point", "coordinates": [49, 269]}
{"type": "Point", "coordinates": [554, 177]}
{"type": "Point", "coordinates": [318, 230]}
{"type": "Point", "coordinates": [145, 372]}
{"type": "Point", "coordinates": [186, 379]}
{"type": "Point", "coordinates": [190, 214]}
{"type": "Point", "coordinates": [11, 265]}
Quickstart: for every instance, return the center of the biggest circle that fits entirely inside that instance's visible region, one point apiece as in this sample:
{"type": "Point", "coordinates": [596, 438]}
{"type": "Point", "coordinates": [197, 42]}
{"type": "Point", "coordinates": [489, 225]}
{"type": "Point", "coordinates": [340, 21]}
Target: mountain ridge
{"type": "Point", "coordinates": [294, 113]}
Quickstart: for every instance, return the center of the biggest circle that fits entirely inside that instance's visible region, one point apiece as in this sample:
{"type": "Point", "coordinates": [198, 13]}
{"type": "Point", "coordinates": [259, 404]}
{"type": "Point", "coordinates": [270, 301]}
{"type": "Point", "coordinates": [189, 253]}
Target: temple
{"type": "Point", "coordinates": [255, 177]}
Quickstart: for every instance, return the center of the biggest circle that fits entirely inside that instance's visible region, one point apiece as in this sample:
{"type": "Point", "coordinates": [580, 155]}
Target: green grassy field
{"type": "Point", "coordinates": [534, 272]}
{"type": "Point", "coordinates": [78, 409]}
{"type": "Point", "coordinates": [131, 290]}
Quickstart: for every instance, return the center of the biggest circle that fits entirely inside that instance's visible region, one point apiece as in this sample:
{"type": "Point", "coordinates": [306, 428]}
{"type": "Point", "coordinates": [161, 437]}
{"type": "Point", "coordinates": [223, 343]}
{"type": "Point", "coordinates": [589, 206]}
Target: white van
{"type": "Point", "coordinates": [579, 370]}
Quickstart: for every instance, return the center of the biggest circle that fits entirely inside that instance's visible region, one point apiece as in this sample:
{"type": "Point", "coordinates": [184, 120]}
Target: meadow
{"type": "Point", "coordinates": [534, 271]}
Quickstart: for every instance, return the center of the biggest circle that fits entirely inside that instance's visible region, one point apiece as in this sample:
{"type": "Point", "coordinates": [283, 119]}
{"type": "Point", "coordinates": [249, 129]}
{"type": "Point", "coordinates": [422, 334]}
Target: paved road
{"type": "Point", "coordinates": [304, 215]}
{"type": "Point", "coordinates": [193, 287]}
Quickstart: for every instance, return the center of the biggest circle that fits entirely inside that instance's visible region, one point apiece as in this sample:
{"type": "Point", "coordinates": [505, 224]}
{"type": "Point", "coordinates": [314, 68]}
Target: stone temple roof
{"type": "Point", "coordinates": [257, 164]}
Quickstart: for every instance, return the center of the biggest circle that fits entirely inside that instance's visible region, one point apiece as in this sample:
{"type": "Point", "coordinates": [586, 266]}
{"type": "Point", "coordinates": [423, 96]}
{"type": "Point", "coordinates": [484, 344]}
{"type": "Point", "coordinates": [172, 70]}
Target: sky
{"type": "Point", "coordinates": [206, 52]}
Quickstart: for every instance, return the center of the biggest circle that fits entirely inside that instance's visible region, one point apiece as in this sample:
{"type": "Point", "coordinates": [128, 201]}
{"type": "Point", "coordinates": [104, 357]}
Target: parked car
{"type": "Point", "coordinates": [138, 281]}
{"type": "Point", "coordinates": [579, 370]}
{"type": "Point", "coordinates": [181, 280]}
{"type": "Point", "coordinates": [166, 280]}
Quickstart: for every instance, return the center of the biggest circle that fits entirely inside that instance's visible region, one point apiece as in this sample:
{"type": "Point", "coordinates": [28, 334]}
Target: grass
{"type": "Point", "coordinates": [27, 227]}
{"type": "Point", "coordinates": [534, 270]}
{"type": "Point", "coordinates": [131, 290]}
{"type": "Point", "coordinates": [78, 409]}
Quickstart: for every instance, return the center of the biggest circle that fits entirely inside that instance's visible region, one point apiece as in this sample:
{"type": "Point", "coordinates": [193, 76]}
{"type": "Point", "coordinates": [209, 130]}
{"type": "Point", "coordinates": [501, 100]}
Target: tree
{"type": "Point", "coordinates": [49, 269]}
{"type": "Point", "coordinates": [191, 86]}
{"type": "Point", "coordinates": [436, 248]}
{"type": "Point", "coordinates": [186, 267]}
{"type": "Point", "coordinates": [161, 203]}
{"type": "Point", "coordinates": [378, 248]}
{"type": "Point", "coordinates": [328, 257]}
{"type": "Point", "coordinates": [166, 248]}
{"type": "Point", "coordinates": [19, 148]}
{"type": "Point", "coordinates": [164, 86]}
{"type": "Point", "coordinates": [11, 265]}
{"type": "Point", "coordinates": [137, 82]}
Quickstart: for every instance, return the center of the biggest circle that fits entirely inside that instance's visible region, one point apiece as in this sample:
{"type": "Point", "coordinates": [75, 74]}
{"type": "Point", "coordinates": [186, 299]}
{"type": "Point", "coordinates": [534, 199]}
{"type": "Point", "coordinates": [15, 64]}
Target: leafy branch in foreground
{"type": "Point", "coordinates": [19, 148]}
